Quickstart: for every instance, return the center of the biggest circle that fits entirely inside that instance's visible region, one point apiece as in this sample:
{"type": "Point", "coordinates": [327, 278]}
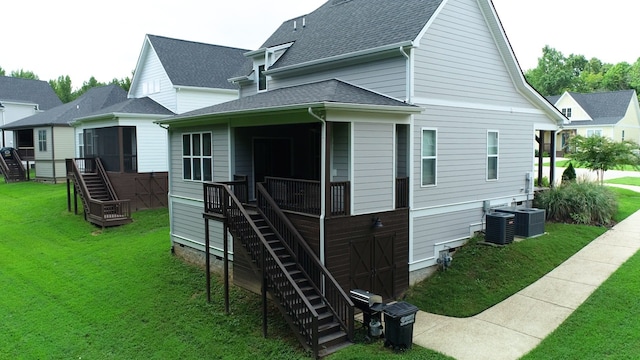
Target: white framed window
{"type": "Point", "coordinates": [566, 112]}
{"type": "Point", "coordinates": [594, 132]}
{"type": "Point", "coordinates": [42, 140]}
{"type": "Point", "coordinates": [493, 151]}
{"type": "Point", "coordinates": [262, 78]}
{"type": "Point", "coordinates": [197, 159]}
{"type": "Point", "coordinates": [429, 155]}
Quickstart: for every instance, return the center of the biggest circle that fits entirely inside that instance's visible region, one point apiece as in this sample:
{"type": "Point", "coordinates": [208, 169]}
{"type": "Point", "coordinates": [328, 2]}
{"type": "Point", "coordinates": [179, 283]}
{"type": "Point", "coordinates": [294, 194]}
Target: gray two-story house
{"type": "Point", "coordinates": [375, 133]}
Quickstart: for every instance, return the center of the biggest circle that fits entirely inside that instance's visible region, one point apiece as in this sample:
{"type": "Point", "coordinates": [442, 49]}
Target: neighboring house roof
{"type": "Point", "coordinates": [604, 108]}
{"type": "Point", "coordinates": [301, 96]}
{"type": "Point", "coordinates": [94, 99]}
{"type": "Point", "coordinates": [553, 99]}
{"type": "Point", "coordinates": [195, 64]}
{"type": "Point", "coordinates": [370, 24]}
{"type": "Point", "coordinates": [30, 91]}
{"type": "Point", "coordinates": [139, 106]}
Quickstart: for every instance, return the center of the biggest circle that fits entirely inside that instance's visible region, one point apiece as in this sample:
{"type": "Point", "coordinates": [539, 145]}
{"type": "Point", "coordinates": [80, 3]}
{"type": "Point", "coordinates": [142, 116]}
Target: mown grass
{"type": "Point", "coordinates": [565, 163]}
{"type": "Point", "coordinates": [73, 291]}
{"type": "Point", "coordinates": [628, 180]}
{"type": "Point", "coordinates": [481, 276]}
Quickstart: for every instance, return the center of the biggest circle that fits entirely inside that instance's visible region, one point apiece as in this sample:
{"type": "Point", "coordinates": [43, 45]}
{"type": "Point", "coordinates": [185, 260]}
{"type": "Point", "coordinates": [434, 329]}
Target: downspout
{"type": "Point", "coordinates": [408, 70]}
{"type": "Point", "coordinates": [323, 174]}
{"type": "Point", "coordinates": [53, 157]}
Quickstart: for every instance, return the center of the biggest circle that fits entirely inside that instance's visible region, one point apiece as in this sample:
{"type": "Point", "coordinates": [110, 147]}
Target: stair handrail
{"type": "Point", "coordinates": [4, 169]}
{"type": "Point", "coordinates": [230, 206]}
{"type": "Point", "coordinates": [72, 168]}
{"type": "Point", "coordinates": [21, 168]}
{"type": "Point", "coordinates": [336, 298]}
{"type": "Point", "coordinates": [103, 173]}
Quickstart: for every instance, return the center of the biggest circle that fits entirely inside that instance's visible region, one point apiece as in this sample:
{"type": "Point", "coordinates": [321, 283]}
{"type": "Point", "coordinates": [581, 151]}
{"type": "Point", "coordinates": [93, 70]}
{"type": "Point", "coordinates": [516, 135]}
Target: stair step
{"type": "Point", "coordinates": [331, 339]}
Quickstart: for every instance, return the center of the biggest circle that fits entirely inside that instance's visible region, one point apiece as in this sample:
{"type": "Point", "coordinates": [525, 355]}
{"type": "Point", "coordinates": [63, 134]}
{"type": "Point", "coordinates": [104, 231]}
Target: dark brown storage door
{"type": "Point", "coordinates": [372, 265]}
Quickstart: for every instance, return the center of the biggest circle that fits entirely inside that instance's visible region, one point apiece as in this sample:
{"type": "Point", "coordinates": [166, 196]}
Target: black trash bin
{"type": "Point", "coordinates": [399, 319]}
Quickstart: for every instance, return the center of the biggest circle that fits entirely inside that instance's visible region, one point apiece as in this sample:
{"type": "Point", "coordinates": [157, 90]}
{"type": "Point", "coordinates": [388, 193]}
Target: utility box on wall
{"type": "Point", "coordinates": [529, 221]}
{"type": "Point", "coordinates": [500, 228]}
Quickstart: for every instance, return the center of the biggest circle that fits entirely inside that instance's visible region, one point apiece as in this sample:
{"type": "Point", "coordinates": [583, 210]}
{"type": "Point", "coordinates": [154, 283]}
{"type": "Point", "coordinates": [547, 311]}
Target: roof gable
{"type": "Point", "coordinates": [605, 108]}
{"type": "Point", "coordinates": [94, 99]}
{"type": "Point", "coordinates": [341, 27]}
{"type": "Point", "coordinates": [195, 64]}
{"type": "Point", "coordinates": [27, 90]}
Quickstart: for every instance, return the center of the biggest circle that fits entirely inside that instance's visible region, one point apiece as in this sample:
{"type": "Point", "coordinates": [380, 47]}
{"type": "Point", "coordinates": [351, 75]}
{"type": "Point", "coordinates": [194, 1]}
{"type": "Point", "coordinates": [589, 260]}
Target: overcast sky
{"type": "Point", "coordinates": [83, 38]}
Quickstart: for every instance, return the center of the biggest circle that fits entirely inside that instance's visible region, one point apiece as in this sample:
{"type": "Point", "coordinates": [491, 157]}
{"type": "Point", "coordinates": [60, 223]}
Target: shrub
{"type": "Point", "coordinates": [569, 174]}
{"type": "Point", "coordinates": [578, 203]}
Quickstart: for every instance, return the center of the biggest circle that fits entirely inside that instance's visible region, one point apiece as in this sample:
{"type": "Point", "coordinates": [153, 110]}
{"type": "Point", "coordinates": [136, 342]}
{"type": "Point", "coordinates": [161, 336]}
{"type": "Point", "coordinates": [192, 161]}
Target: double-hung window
{"type": "Point", "coordinates": [492, 155]}
{"type": "Point", "coordinates": [42, 140]}
{"type": "Point", "coordinates": [197, 160]}
{"type": "Point", "coordinates": [429, 156]}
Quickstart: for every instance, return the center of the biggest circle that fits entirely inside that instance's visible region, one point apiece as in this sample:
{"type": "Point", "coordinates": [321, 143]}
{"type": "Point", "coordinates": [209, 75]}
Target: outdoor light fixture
{"type": "Point", "coordinates": [376, 223]}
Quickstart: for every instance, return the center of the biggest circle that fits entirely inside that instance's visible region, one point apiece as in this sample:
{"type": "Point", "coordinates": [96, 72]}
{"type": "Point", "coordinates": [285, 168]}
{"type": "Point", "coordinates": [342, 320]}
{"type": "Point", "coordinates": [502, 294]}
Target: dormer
{"type": "Point", "coordinates": [263, 59]}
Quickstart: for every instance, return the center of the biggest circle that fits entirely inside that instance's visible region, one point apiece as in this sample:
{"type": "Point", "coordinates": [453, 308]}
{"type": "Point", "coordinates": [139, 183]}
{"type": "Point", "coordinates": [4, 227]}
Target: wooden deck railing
{"type": "Point", "coordinates": [304, 195]}
{"type": "Point", "coordinates": [402, 192]}
{"type": "Point", "coordinates": [220, 199]}
{"type": "Point", "coordinates": [337, 300]}
{"type": "Point", "coordinates": [20, 173]}
{"type": "Point", "coordinates": [99, 212]}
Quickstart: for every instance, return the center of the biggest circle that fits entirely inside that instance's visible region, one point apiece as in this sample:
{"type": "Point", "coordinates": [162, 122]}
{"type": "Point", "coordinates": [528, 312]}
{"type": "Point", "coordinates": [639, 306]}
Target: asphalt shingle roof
{"type": "Point", "coordinates": [143, 105]}
{"type": "Point", "coordinates": [93, 100]}
{"type": "Point", "coordinates": [189, 63]}
{"type": "Point", "coordinates": [328, 91]}
{"type": "Point", "coordinates": [345, 26]}
{"type": "Point", "coordinates": [605, 108]}
{"type": "Point", "coordinates": [27, 90]}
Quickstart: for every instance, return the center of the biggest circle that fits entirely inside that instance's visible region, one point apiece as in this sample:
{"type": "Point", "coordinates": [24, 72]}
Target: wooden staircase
{"type": "Point", "coordinates": [318, 311]}
{"type": "Point", "coordinates": [331, 335]}
{"type": "Point", "coordinates": [100, 201]}
{"type": "Point", "coordinates": [11, 166]}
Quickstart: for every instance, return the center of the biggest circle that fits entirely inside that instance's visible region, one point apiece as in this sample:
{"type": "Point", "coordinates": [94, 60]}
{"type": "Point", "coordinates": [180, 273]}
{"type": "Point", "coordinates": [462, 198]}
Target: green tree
{"type": "Point", "coordinates": [24, 74]}
{"type": "Point", "coordinates": [91, 83]}
{"type": "Point", "coordinates": [553, 75]}
{"type": "Point", "coordinates": [600, 154]}
{"type": "Point", "coordinates": [62, 88]}
{"type": "Point", "coordinates": [2, 72]}
{"type": "Point", "coordinates": [617, 78]}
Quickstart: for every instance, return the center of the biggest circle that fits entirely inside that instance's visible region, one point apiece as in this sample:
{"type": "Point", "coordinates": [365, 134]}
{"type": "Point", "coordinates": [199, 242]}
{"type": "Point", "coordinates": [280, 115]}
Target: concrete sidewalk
{"type": "Point", "coordinates": [515, 326]}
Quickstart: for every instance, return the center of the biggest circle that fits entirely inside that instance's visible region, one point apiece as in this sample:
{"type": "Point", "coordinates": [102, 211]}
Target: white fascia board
{"type": "Point", "coordinates": [342, 57]}
{"type": "Point", "coordinates": [206, 89]}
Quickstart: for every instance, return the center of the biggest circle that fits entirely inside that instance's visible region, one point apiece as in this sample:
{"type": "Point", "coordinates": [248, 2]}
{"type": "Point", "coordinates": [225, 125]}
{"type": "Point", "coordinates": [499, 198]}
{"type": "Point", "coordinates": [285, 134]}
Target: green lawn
{"type": "Point", "coordinates": [71, 290]}
{"type": "Point", "coordinates": [629, 180]}
{"type": "Point", "coordinates": [565, 163]}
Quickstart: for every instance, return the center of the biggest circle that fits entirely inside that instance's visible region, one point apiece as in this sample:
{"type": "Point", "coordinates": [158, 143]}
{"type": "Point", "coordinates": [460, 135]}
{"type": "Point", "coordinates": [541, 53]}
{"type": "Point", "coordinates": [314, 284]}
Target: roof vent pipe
{"type": "Point", "coordinates": [304, 21]}
{"type": "Point", "coordinates": [295, 25]}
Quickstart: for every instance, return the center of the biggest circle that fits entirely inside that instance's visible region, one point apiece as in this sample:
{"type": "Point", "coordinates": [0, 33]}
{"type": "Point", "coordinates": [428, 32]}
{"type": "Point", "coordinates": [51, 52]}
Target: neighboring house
{"type": "Point", "coordinates": [613, 114]}
{"type": "Point", "coordinates": [171, 76]}
{"type": "Point", "coordinates": [414, 114]}
{"type": "Point", "coordinates": [51, 137]}
{"type": "Point", "coordinates": [20, 98]}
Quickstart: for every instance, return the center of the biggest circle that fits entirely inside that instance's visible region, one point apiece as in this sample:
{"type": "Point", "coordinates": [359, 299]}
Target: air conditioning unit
{"type": "Point", "coordinates": [500, 228]}
{"type": "Point", "coordinates": [529, 221]}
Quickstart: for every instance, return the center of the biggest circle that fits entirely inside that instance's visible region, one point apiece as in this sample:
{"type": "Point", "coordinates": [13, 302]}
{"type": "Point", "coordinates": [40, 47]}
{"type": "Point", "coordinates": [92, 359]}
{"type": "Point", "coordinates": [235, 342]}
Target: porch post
{"type": "Point", "coordinates": [207, 258]}
{"type": "Point", "coordinates": [68, 196]}
{"type": "Point", "coordinates": [327, 170]}
{"type": "Point", "coordinates": [540, 156]}
{"type": "Point", "coordinates": [552, 165]}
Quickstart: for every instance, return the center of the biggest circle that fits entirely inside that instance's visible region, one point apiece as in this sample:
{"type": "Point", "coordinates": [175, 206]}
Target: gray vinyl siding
{"type": "Point", "coordinates": [431, 230]}
{"type": "Point", "coordinates": [48, 153]}
{"type": "Point", "coordinates": [193, 189]}
{"type": "Point", "coordinates": [188, 225]}
{"type": "Point", "coordinates": [340, 152]}
{"type": "Point", "coordinates": [385, 76]}
{"type": "Point", "coordinates": [462, 155]}
{"type": "Point", "coordinates": [192, 99]}
{"type": "Point", "coordinates": [458, 60]}
{"type": "Point", "coordinates": [373, 179]}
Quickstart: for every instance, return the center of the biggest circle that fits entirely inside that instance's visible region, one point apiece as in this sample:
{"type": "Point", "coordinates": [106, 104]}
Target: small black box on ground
{"type": "Point", "coordinates": [399, 319]}
{"type": "Point", "coordinates": [500, 228]}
